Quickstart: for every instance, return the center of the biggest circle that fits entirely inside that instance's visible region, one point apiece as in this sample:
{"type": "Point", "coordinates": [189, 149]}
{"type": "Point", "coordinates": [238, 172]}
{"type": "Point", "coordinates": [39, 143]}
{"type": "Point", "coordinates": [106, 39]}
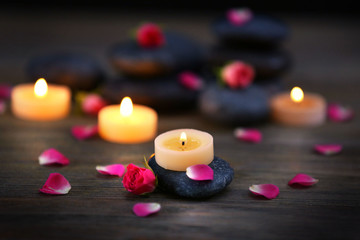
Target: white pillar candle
{"type": "Point", "coordinates": [178, 149]}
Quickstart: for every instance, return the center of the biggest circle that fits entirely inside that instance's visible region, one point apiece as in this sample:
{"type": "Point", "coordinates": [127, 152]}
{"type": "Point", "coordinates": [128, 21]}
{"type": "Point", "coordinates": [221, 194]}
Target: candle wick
{"type": "Point", "coordinates": [183, 143]}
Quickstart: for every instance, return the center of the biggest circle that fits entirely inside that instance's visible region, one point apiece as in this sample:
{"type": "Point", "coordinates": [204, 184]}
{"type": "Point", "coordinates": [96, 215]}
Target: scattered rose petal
{"type": "Point", "coordinates": [5, 91]}
{"type": "Point", "coordinates": [146, 209]}
{"type": "Point", "coordinates": [303, 179]}
{"type": "Point", "coordinates": [2, 106]}
{"type": "Point", "coordinates": [56, 184]}
{"type": "Point", "coordinates": [81, 132]}
{"type": "Point", "coordinates": [248, 135]}
{"type": "Point", "coordinates": [237, 74]}
{"type": "Point", "coordinates": [239, 16]}
{"type": "Point", "coordinates": [328, 149]}
{"type": "Point", "coordinates": [190, 80]}
{"type": "Point", "coordinates": [92, 104]}
{"type": "Point", "coordinates": [200, 172]}
{"type": "Point", "coordinates": [52, 156]}
{"type": "Point", "coordinates": [269, 191]}
{"type": "Point", "coordinates": [139, 180]}
{"type": "Point", "coordinates": [339, 113]}
{"type": "Point", "coordinates": [149, 35]}
{"type": "Point", "coordinates": [113, 169]}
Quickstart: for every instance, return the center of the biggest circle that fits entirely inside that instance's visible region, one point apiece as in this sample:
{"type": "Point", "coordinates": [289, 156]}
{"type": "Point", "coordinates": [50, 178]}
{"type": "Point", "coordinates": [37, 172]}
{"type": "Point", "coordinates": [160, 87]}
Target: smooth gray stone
{"type": "Point", "coordinates": [178, 53]}
{"type": "Point", "coordinates": [79, 72]}
{"type": "Point", "coordinates": [261, 30]}
{"type": "Point", "coordinates": [234, 106]}
{"type": "Point", "coordinates": [180, 184]}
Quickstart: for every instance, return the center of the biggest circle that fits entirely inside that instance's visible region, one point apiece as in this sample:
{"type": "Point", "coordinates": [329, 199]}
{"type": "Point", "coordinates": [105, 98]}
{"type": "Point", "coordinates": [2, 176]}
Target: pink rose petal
{"type": "Point", "coordinates": [237, 74]}
{"type": "Point", "coordinates": [248, 135]}
{"type": "Point", "coordinates": [200, 172]}
{"type": "Point", "coordinates": [146, 209]}
{"type": "Point", "coordinates": [339, 113]}
{"type": "Point", "coordinates": [2, 106]}
{"type": "Point", "coordinates": [190, 80]}
{"type": "Point", "coordinates": [92, 104]}
{"type": "Point", "coordinates": [303, 179]}
{"type": "Point", "coordinates": [113, 169]}
{"type": "Point", "coordinates": [5, 91]}
{"type": "Point", "coordinates": [56, 184]}
{"type": "Point", "coordinates": [82, 132]}
{"type": "Point", "coordinates": [269, 191]}
{"type": "Point", "coordinates": [52, 156]}
{"type": "Point", "coordinates": [239, 16]}
{"type": "Point", "coordinates": [328, 149]}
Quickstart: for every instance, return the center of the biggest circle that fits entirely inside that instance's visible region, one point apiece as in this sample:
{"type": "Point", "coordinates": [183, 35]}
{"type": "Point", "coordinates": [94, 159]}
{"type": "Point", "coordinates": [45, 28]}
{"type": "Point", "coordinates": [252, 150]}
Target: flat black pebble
{"type": "Point", "coordinates": [180, 184]}
{"type": "Point", "coordinates": [267, 63]}
{"type": "Point", "coordinates": [77, 71]}
{"type": "Point", "coordinates": [162, 93]}
{"type": "Point", "coordinates": [234, 106]}
{"type": "Point", "coordinates": [261, 30]}
{"type": "Point", "coordinates": [178, 53]}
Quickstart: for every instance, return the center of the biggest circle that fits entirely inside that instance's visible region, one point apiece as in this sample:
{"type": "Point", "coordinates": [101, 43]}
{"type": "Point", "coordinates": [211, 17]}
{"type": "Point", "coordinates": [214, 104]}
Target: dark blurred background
{"type": "Point", "coordinates": [277, 6]}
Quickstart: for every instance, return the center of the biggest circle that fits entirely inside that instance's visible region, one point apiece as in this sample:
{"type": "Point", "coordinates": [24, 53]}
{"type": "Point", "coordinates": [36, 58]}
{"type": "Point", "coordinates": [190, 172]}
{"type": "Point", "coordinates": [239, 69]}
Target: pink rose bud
{"type": "Point", "coordinates": [5, 91]}
{"type": "Point", "coordinates": [149, 35]}
{"type": "Point", "coordinates": [237, 74]}
{"type": "Point", "coordinates": [239, 16]}
{"type": "Point", "coordinates": [139, 180]}
{"type": "Point", "coordinates": [92, 104]}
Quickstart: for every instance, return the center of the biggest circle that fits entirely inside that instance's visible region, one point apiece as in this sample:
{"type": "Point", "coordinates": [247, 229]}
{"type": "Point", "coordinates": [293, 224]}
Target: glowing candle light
{"type": "Point", "coordinates": [41, 102]}
{"type": "Point", "coordinates": [299, 109]}
{"type": "Point", "coordinates": [127, 122]}
{"type": "Point", "coordinates": [178, 149]}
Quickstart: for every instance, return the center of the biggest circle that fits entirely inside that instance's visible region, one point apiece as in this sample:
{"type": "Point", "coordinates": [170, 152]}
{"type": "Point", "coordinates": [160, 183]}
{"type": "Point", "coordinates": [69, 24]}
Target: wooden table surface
{"type": "Point", "coordinates": [326, 58]}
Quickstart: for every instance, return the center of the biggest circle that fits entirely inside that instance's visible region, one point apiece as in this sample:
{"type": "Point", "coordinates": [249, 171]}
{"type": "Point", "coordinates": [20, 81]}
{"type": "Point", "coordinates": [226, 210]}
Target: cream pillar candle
{"type": "Point", "coordinates": [127, 123]}
{"type": "Point", "coordinates": [298, 109]}
{"type": "Point", "coordinates": [178, 149]}
{"type": "Point", "coordinates": [40, 102]}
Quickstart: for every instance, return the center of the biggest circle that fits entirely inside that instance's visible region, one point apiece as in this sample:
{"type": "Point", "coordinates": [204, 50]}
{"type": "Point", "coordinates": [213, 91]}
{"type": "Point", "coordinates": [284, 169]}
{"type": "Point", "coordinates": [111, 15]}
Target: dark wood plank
{"type": "Point", "coordinates": [326, 56]}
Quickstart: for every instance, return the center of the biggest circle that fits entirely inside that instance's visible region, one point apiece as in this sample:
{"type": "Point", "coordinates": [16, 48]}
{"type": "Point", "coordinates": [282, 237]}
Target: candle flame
{"type": "Point", "coordinates": [40, 88]}
{"type": "Point", "coordinates": [297, 95]}
{"type": "Point", "coordinates": [183, 138]}
{"type": "Point", "coordinates": [126, 107]}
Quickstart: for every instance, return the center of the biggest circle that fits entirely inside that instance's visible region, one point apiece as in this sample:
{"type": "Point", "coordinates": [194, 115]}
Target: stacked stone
{"type": "Point", "coordinates": [256, 40]}
{"type": "Point", "coordinates": [150, 75]}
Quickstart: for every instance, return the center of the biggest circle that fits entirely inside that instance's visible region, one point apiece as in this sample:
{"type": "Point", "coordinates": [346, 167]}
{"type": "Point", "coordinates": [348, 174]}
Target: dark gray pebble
{"type": "Point", "coordinates": [77, 71]}
{"type": "Point", "coordinates": [180, 184]}
{"type": "Point", "coordinates": [261, 30]}
{"type": "Point", "coordinates": [178, 53]}
{"type": "Point", "coordinates": [234, 106]}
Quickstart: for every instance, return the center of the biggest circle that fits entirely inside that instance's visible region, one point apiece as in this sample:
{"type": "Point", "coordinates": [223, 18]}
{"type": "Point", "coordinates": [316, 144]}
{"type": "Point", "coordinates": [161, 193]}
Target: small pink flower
{"type": "Point", "coordinates": [303, 179]}
{"type": "Point", "coordinates": [81, 132]}
{"type": "Point", "coordinates": [248, 135]}
{"type": "Point", "coordinates": [5, 91]}
{"type": "Point", "coordinates": [339, 113]}
{"type": "Point", "coordinates": [56, 184]}
{"type": "Point", "coordinates": [139, 180]}
{"type": "Point", "coordinates": [113, 169]}
{"type": "Point", "coordinates": [190, 80]}
{"type": "Point", "coordinates": [237, 74]}
{"type": "Point", "coordinates": [146, 209]}
{"type": "Point", "coordinates": [2, 106]}
{"type": "Point", "coordinates": [200, 172]}
{"type": "Point", "coordinates": [328, 149]}
{"type": "Point", "coordinates": [269, 191]}
{"type": "Point", "coordinates": [53, 156]}
{"type": "Point", "coordinates": [92, 104]}
{"type": "Point", "coordinates": [239, 16]}
{"type": "Point", "coordinates": [149, 35]}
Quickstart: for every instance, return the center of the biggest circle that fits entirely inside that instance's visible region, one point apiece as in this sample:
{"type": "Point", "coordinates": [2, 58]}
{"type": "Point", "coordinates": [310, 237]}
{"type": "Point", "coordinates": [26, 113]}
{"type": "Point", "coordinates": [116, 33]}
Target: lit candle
{"type": "Point", "coordinates": [127, 123]}
{"type": "Point", "coordinates": [40, 102]}
{"type": "Point", "coordinates": [298, 109]}
{"type": "Point", "coordinates": [178, 149]}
